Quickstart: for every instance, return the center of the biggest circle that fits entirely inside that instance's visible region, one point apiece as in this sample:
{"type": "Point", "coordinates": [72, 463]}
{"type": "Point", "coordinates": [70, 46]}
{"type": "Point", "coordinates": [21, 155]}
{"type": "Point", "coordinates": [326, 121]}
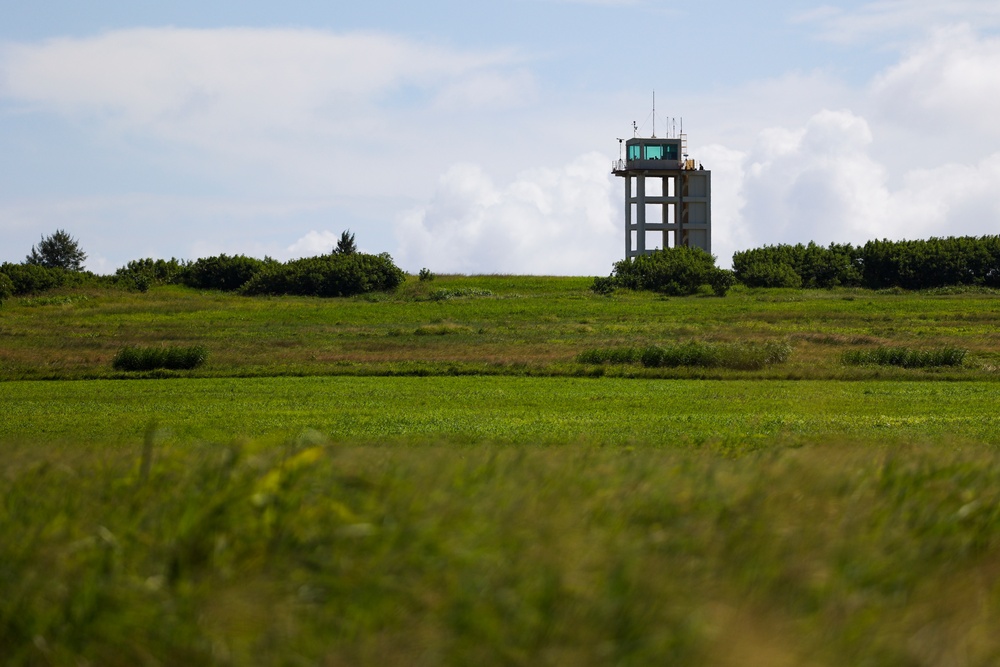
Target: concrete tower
{"type": "Point", "coordinates": [668, 197]}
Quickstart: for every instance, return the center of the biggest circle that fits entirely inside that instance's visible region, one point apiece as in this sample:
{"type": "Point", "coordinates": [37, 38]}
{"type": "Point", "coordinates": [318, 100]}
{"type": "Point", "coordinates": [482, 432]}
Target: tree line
{"type": "Point", "coordinates": [911, 265]}
{"type": "Point", "coordinates": [57, 262]}
{"type": "Point", "coordinates": [920, 264]}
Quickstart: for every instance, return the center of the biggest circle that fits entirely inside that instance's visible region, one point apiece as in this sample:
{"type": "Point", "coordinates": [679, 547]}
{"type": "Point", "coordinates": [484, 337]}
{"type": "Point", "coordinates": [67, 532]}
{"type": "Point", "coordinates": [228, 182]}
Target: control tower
{"type": "Point", "coordinates": [668, 196]}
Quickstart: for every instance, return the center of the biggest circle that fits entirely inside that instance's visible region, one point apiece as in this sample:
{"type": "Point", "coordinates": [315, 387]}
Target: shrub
{"type": "Point", "coordinates": [770, 274]}
{"type": "Point", "coordinates": [143, 273]}
{"type": "Point", "coordinates": [721, 280]}
{"type": "Point", "coordinates": [674, 271]}
{"type": "Point", "coordinates": [328, 276]}
{"type": "Point", "coordinates": [603, 285]}
{"type": "Point", "coordinates": [426, 275]}
{"type": "Point", "coordinates": [6, 288]}
{"type": "Point", "coordinates": [799, 266]}
{"type": "Point", "coordinates": [935, 262]}
{"type": "Point", "coordinates": [34, 278]}
{"type": "Point", "coordinates": [737, 356]}
{"type": "Point", "coordinates": [31, 278]}
{"type": "Point", "coordinates": [904, 357]}
{"type": "Point", "coordinates": [132, 358]}
{"type": "Point", "coordinates": [222, 272]}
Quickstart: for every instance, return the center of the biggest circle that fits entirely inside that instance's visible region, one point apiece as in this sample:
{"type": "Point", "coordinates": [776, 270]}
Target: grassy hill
{"type": "Point", "coordinates": [487, 325]}
{"type": "Point", "coordinates": [433, 477]}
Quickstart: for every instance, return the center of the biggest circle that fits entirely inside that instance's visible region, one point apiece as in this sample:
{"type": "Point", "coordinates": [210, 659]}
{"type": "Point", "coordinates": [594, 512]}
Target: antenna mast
{"type": "Point", "coordinates": [654, 114]}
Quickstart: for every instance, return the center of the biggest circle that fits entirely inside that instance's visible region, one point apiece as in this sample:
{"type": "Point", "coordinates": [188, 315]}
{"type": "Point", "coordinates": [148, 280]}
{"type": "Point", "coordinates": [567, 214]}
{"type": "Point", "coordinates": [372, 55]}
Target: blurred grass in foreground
{"type": "Point", "coordinates": [306, 551]}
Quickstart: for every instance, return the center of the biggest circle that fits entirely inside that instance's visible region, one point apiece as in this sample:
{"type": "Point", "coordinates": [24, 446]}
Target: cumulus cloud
{"type": "Point", "coordinates": [547, 220]}
{"type": "Point", "coordinates": [820, 183]}
{"type": "Point", "coordinates": [950, 80]}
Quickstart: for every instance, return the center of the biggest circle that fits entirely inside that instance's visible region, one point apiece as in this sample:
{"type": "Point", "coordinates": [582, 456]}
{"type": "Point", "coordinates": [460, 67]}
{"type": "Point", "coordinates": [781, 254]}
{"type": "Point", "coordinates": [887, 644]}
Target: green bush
{"type": "Point", "coordinates": [737, 356]}
{"type": "Point", "coordinates": [935, 262]}
{"type": "Point", "coordinates": [133, 358]}
{"type": "Point", "coordinates": [799, 266]}
{"type": "Point", "coordinates": [914, 265]}
{"type": "Point", "coordinates": [675, 271]}
{"type": "Point", "coordinates": [770, 274]}
{"type": "Point", "coordinates": [34, 278]}
{"type": "Point", "coordinates": [603, 285]}
{"type": "Point", "coordinates": [721, 280]}
{"type": "Point", "coordinates": [328, 276]}
{"type": "Point", "coordinates": [222, 272]}
{"type": "Point", "coordinates": [905, 357]}
{"type": "Point", "coordinates": [144, 273]}
{"type": "Point", "coordinates": [6, 288]}
{"type": "Point", "coordinates": [426, 275]}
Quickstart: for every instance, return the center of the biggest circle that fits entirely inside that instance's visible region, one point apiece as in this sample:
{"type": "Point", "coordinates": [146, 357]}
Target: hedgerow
{"type": "Point", "coordinates": [921, 264]}
{"type": "Point", "coordinates": [328, 276]}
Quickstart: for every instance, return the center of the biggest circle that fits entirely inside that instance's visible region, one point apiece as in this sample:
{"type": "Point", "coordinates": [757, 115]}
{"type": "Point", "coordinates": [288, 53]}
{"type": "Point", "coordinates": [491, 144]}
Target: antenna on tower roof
{"type": "Point", "coordinates": [654, 114]}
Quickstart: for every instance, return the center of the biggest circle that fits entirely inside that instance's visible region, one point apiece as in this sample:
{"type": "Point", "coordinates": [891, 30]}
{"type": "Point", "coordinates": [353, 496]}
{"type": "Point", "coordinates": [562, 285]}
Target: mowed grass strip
{"type": "Point", "coordinates": [300, 550]}
{"type": "Point", "coordinates": [738, 413]}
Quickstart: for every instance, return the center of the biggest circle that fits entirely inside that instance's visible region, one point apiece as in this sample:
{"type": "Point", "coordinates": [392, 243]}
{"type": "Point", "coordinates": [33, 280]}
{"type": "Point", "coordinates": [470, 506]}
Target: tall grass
{"type": "Point", "coordinates": [737, 356]}
{"type": "Point", "coordinates": [135, 358]}
{"type": "Point", "coordinates": [307, 551]}
{"type": "Point", "coordinates": [905, 357]}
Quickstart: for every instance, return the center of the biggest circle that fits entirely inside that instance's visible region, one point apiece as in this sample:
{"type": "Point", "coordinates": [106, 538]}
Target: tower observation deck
{"type": "Point", "coordinates": [668, 197]}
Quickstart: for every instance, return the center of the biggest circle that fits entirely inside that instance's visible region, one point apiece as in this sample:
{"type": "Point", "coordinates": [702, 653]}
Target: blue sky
{"type": "Point", "coordinates": [477, 137]}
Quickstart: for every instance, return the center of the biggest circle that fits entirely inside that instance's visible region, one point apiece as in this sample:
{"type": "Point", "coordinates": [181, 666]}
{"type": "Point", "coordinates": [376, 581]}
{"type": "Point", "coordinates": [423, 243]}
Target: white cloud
{"type": "Point", "coordinates": [314, 243]}
{"type": "Point", "coordinates": [950, 81]}
{"type": "Point", "coordinates": [820, 183]}
{"type": "Point", "coordinates": [813, 183]}
{"type": "Point", "coordinates": [171, 79]}
{"type": "Point", "coordinates": [893, 19]}
{"type": "Point", "coordinates": [547, 221]}
{"type": "Point", "coordinates": [321, 110]}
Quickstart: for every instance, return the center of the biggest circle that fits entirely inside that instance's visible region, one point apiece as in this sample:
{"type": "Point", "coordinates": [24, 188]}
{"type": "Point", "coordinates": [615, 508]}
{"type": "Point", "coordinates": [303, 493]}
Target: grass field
{"type": "Point", "coordinates": [526, 326]}
{"type": "Point", "coordinates": [742, 414]}
{"type": "Point", "coordinates": [428, 479]}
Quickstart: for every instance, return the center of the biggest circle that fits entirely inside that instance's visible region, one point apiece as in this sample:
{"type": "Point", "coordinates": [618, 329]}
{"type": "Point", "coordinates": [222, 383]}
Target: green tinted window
{"type": "Point", "coordinates": [654, 152]}
{"type": "Point", "coordinates": [633, 152]}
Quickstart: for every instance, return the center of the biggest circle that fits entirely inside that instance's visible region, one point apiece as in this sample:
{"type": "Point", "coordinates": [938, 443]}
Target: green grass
{"type": "Point", "coordinates": [739, 415]}
{"type": "Point", "coordinates": [308, 551]}
{"type": "Point", "coordinates": [531, 325]}
{"type": "Point", "coordinates": [404, 479]}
